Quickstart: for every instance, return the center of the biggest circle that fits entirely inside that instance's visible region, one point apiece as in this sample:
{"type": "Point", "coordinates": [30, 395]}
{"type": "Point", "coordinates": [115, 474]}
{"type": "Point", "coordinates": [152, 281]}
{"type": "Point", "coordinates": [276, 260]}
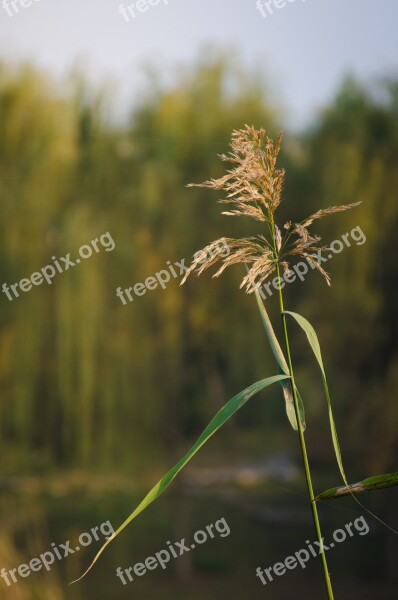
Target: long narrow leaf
{"type": "Point", "coordinates": [273, 340]}
{"type": "Point", "coordinates": [225, 413]}
{"type": "Point", "coordinates": [280, 359]}
{"type": "Point", "coordinates": [378, 482]}
{"type": "Point", "coordinates": [311, 335]}
{"type": "Point", "coordinates": [314, 343]}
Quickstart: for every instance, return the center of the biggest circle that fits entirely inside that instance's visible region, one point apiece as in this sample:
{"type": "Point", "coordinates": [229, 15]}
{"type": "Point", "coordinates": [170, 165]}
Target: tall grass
{"type": "Point", "coordinates": [253, 187]}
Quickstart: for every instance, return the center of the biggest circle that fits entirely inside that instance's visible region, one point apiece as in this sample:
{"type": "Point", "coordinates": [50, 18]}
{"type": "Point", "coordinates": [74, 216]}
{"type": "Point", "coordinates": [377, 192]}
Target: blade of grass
{"type": "Point", "coordinates": [303, 446]}
{"type": "Point", "coordinates": [223, 415]}
{"type": "Point", "coordinates": [281, 361]}
{"type": "Point", "coordinates": [316, 348]}
{"type": "Point", "coordinates": [273, 340]}
{"type": "Point", "coordinates": [378, 482]}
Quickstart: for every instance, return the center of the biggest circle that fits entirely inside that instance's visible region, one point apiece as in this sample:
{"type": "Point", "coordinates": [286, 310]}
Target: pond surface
{"type": "Point", "coordinates": [244, 524]}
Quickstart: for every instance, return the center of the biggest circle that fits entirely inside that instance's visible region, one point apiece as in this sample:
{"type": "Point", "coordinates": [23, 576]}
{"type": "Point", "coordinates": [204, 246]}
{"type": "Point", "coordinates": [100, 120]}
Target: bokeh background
{"type": "Point", "coordinates": [103, 122]}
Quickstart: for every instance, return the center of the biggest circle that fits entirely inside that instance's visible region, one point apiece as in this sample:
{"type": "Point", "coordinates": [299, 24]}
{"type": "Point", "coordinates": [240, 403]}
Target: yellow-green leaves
{"type": "Point", "coordinates": [223, 415]}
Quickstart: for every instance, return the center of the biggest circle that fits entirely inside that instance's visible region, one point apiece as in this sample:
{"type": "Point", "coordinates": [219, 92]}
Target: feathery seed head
{"type": "Point", "coordinates": [253, 186]}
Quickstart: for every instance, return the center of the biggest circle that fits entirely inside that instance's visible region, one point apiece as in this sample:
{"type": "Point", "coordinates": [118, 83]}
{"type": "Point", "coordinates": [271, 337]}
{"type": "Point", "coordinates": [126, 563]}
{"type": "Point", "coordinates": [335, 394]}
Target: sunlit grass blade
{"type": "Point", "coordinates": [316, 348]}
{"type": "Point", "coordinates": [301, 407]}
{"type": "Point", "coordinates": [289, 405]}
{"type": "Point", "coordinates": [273, 340]}
{"type": "Point", "coordinates": [378, 482]}
{"type": "Point", "coordinates": [280, 359]}
{"type": "Point", "coordinates": [223, 415]}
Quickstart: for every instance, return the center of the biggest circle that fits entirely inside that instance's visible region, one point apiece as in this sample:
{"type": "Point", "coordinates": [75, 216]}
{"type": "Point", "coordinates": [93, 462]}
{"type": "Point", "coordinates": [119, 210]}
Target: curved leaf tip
{"type": "Point", "coordinates": [223, 415]}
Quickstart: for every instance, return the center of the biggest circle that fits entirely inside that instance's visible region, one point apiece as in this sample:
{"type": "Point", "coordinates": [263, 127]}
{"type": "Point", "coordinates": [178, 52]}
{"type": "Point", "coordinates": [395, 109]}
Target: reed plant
{"type": "Point", "coordinates": [253, 187]}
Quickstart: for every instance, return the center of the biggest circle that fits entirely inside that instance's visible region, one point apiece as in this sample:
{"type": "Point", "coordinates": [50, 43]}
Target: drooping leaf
{"type": "Point", "coordinates": [314, 343]}
{"type": "Point", "coordinates": [223, 415]}
{"type": "Point", "coordinates": [378, 482]}
{"type": "Point", "coordinates": [316, 348]}
{"type": "Point", "coordinates": [280, 359]}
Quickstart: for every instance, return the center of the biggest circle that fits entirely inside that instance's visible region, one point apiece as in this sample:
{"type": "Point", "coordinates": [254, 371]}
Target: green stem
{"type": "Point", "coordinates": [301, 436]}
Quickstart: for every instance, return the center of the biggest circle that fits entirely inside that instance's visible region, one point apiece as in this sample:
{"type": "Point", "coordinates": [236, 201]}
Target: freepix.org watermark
{"type": "Point", "coordinates": [301, 269]}
{"type": "Point", "coordinates": [313, 549]}
{"type": "Point", "coordinates": [174, 550]}
{"type": "Point", "coordinates": [132, 10]}
{"type": "Point", "coordinates": [62, 264]}
{"type": "Point", "coordinates": [163, 277]}
{"type": "Point", "coordinates": [266, 7]}
{"type": "Point", "coordinates": [12, 6]}
{"type": "Point", "coordinates": [59, 551]}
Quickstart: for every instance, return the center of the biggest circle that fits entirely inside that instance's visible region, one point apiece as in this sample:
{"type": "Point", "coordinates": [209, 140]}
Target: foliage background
{"type": "Point", "coordinates": [101, 396]}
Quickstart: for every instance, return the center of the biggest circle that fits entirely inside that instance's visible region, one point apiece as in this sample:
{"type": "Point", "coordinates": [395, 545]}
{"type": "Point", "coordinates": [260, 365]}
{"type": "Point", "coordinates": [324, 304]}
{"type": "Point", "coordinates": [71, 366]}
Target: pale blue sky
{"type": "Point", "coordinates": [306, 47]}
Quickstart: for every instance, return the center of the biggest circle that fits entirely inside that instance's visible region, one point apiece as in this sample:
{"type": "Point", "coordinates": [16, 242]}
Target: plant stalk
{"type": "Point", "coordinates": [303, 446]}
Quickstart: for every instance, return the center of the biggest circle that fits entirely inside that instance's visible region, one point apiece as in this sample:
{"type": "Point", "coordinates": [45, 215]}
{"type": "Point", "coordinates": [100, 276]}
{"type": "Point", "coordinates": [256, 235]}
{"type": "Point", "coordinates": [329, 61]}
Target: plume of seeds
{"type": "Point", "coordinates": [253, 188]}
